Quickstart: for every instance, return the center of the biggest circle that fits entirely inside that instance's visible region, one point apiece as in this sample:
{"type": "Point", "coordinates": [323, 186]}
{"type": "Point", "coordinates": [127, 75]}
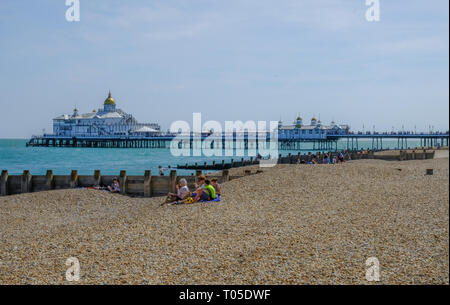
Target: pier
{"type": "Point", "coordinates": [328, 143]}
{"type": "Point", "coordinates": [101, 142]}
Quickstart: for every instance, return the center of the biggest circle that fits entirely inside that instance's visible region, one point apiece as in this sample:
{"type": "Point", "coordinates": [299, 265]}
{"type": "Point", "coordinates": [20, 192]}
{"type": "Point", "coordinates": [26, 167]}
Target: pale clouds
{"type": "Point", "coordinates": [261, 58]}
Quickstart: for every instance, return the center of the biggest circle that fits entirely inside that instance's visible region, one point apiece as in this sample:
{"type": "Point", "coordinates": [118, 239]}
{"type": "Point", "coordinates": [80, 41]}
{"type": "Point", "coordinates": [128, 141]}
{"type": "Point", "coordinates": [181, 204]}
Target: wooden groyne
{"type": "Point", "coordinates": [402, 155]}
{"type": "Point", "coordinates": [145, 186]}
{"type": "Point", "coordinates": [306, 158]}
{"type": "Point", "coordinates": [219, 166]}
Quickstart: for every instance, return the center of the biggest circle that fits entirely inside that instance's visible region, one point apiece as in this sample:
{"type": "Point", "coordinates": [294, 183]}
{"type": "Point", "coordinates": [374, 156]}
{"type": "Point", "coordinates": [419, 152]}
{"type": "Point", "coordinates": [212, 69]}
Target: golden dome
{"type": "Point", "coordinates": [299, 118]}
{"type": "Point", "coordinates": [94, 110]}
{"type": "Point", "coordinates": [313, 119]}
{"type": "Point", "coordinates": [110, 100]}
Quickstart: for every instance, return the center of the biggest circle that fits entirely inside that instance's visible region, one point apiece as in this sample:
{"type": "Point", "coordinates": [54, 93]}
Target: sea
{"type": "Point", "coordinates": [16, 157]}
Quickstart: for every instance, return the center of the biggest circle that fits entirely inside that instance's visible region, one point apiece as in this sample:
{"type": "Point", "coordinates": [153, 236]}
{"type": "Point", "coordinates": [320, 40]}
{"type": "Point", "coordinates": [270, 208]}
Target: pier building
{"type": "Point", "coordinates": [314, 131]}
{"type": "Point", "coordinates": [106, 121]}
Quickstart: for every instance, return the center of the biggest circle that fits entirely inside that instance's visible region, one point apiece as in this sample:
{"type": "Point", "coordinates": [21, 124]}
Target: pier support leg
{"type": "Point", "coordinates": [4, 183]}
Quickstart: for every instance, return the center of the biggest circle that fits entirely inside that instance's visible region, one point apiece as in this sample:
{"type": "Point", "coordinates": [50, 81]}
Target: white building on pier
{"type": "Point", "coordinates": [104, 122]}
{"type": "Point", "coordinates": [313, 131]}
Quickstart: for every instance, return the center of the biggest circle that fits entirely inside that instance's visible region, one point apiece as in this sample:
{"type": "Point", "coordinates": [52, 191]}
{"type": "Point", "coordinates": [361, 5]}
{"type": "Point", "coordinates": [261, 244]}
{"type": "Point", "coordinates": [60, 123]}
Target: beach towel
{"type": "Point", "coordinates": [217, 199]}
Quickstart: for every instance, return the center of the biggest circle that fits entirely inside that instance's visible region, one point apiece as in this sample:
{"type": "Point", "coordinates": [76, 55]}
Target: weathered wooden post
{"type": "Point", "coordinates": [232, 163]}
{"type": "Point", "coordinates": [97, 177]}
{"type": "Point", "coordinates": [74, 179]}
{"type": "Point", "coordinates": [25, 182]}
{"type": "Point", "coordinates": [223, 164]}
{"type": "Point", "coordinates": [49, 180]}
{"type": "Point", "coordinates": [148, 183]}
{"type": "Point", "coordinates": [173, 181]}
{"type": "Point", "coordinates": [403, 154]}
{"type": "Point", "coordinates": [226, 175]}
{"type": "Point", "coordinates": [123, 182]}
{"type": "Point", "coordinates": [4, 183]}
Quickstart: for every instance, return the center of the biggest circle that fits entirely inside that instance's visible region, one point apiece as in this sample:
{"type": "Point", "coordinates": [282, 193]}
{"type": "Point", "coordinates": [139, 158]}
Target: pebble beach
{"type": "Point", "coordinates": [291, 224]}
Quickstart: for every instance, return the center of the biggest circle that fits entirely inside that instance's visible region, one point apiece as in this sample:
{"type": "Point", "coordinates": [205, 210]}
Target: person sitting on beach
{"type": "Point", "coordinates": [216, 186]}
{"type": "Point", "coordinates": [182, 192]}
{"type": "Point", "coordinates": [115, 186]}
{"type": "Point", "coordinates": [199, 187]}
{"type": "Point", "coordinates": [207, 193]}
{"type": "Point", "coordinates": [201, 183]}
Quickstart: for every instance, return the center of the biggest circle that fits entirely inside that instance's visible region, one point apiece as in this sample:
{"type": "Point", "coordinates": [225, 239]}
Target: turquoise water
{"type": "Point", "coordinates": [16, 157]}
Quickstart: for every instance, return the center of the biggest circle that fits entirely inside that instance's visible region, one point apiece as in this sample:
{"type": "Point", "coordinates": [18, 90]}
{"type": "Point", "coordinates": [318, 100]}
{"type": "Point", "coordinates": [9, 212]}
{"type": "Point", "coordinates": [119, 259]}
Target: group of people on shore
{"type": "Point", "coordinates": [205, 190]}
{"type": "Point", "coordinates": [322, 159]}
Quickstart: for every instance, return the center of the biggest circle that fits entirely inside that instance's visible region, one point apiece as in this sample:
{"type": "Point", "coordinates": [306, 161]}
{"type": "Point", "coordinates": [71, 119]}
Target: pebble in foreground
{"type": "Point", "coordinates": [328, 221]}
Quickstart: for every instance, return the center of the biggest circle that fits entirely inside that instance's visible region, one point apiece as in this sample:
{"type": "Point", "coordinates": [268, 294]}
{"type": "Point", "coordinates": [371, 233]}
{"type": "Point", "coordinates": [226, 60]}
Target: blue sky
{"type": "Point", "coordinates": [234, 59]}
